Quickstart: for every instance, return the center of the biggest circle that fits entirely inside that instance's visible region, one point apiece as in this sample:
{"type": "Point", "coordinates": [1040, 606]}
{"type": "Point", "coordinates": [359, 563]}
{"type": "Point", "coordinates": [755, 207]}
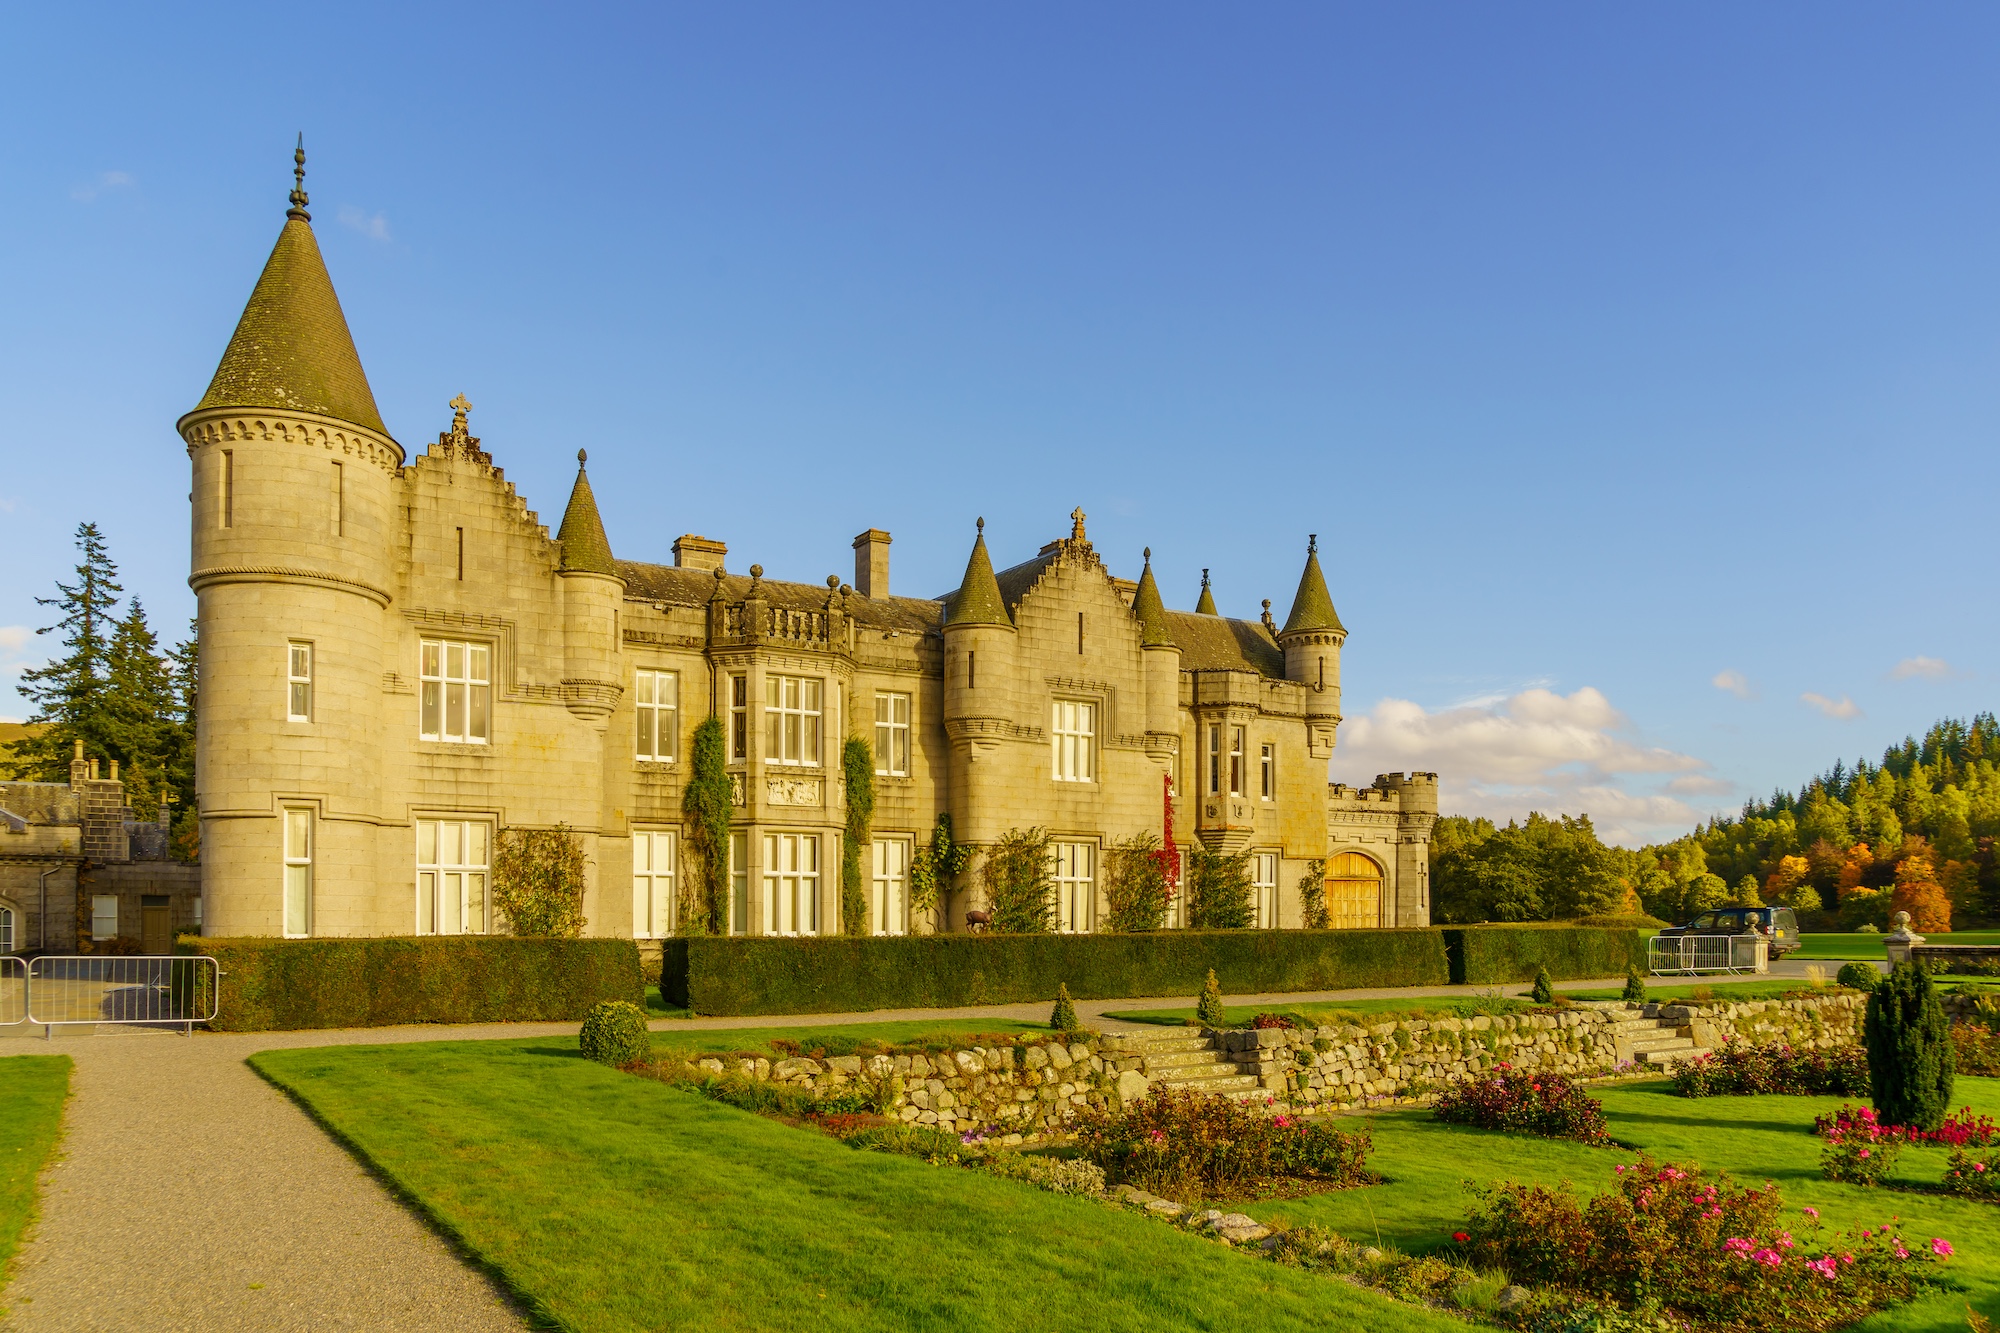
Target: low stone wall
{"type": "Point", "coordinates": [1025, 1090]}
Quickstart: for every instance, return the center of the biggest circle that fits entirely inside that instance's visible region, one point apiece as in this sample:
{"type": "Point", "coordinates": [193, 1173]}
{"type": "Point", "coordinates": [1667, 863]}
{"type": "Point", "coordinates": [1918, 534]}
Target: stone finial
{"type": "Point", "coordinates": [756, 579]}
{"type": "Point", "coordinates": [1076, 524]}
{"type": "Point", "coordinates": [298, 208]}
{"type": "Point", "coordinates": [460, 434]}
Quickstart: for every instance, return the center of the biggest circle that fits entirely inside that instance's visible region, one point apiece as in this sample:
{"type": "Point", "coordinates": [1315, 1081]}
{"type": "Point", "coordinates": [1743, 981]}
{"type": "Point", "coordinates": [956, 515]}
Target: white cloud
{"type": "Point", "coordinates": [106, 182]}
{"type": "Point", "coordinates": [1533, 750]}
{"type": "Point", "coordinates": [1733, 682]}
{"type": "Point", "coordinates": [375, 228]}
{"type": "Point", "coordinates": [1921, 668]}
{"type": "Point", "coordinates": [13, 638]}
{"type": "Point", "coordinates": [1842, 709]}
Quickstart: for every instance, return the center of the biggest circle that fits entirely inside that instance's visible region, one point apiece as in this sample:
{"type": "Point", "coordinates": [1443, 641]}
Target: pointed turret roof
{"type": "Point", "coordinates": [291, 348]}
{"type": "Point", "coordinates": [978, 600]}
{"type": "Point", "coordinates": [585, 549]}
{"type": "Point", "coordinates": [1152, 612]}
{"type": "Point", "coordinates": [1312, 607]}
{"type": "Point", "coordinates": [1206, 606]}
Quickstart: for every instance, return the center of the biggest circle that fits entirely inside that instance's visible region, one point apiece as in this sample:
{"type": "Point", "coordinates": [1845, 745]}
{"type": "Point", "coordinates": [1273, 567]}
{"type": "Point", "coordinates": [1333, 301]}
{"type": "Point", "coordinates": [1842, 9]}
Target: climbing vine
{"type": "Point", "coordinates": [1312, 893]}
{"type": "Point", "coordinates": [936, 867]}
{"type": "Point", "coordinates": [706, 804]}
{"type": "Point", "coordinates": [857, 762]}
{"type": "Point", "coordinates": [538, 879]}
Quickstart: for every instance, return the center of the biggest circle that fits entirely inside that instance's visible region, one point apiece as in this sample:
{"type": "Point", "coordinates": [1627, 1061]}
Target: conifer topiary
{"type": "Point", "coordinates": [1635, 985]}
{"type": "Point", "coordinates": [1910, 1059]}
{"type": "Point", "coordinates": [1545, 989]}
{"type": "Point", "coordinates": [1064, 1017]}
{"type": "Point", "coordinates": [1208, 1009]}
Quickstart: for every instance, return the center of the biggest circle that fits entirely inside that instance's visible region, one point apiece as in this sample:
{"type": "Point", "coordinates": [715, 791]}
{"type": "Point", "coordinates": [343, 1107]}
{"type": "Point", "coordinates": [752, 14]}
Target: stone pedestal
{"type": "Point", "coordinates": [1899, 942]}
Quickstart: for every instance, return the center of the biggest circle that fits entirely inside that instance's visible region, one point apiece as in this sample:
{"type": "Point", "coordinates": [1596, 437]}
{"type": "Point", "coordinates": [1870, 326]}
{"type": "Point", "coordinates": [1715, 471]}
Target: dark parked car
{"type": "Point", "coordinates": [1778, 924]}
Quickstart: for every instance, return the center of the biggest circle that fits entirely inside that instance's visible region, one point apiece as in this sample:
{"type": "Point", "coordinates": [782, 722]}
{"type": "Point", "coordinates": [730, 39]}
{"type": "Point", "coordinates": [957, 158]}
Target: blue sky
{"type": "Point", "coordinates": [1636, 368]}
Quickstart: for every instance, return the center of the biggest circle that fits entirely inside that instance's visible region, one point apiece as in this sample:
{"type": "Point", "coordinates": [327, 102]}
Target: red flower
{"type": "Point", "coordinates": [1460, 1237]}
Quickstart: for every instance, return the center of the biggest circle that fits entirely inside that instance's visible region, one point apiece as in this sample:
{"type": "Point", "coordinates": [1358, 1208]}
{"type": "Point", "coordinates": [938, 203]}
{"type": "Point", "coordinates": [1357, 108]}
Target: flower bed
{"type": "Point", "coordinates": [1742, 1069]}
{"type": "Point", "coordinates": [1957, 1131]}
{"type": "Point", "coordinates": [1974, 1174]}
{"type": "Point", "coordinates": [1705, 1251]}
{"type": "Point", "coordinates": [1191, 1145]}
{"type": "Point", "coordinates": [1523, 1103]}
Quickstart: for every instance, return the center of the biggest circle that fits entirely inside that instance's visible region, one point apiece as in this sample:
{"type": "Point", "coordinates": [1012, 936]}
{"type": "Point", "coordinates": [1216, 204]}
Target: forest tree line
{"type": "Point", "coordinates": [1852, 846]}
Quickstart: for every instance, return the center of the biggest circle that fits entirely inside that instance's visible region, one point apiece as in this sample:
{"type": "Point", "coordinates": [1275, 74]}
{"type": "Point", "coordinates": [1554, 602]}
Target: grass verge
{"type": "Point", "coordinates": [611, 1203]}
{"type": "Point", "coordinates": [32, 1091]}
{"type": "Point", "coordinates": [1869, 947]}
{"type": "Point", "coordinates": [1339, 1011]}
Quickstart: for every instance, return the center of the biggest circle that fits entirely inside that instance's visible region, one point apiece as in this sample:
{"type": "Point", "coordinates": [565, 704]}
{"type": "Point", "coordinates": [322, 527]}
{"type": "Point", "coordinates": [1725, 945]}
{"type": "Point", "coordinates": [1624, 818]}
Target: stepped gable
{"type": "Point", "coordinates": [676, 586]}
{"type": "Point", "coordinates": [1217, 643]}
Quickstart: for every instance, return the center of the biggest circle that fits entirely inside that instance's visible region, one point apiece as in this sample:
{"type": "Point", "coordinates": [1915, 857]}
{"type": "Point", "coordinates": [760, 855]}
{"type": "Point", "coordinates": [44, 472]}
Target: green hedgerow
{"type": "Point", "coordinates": [1063, 1019]}
{"type": "Point", "coordinates": [1910, 1058]}
{"type": "Point", "coordinates": [1545, 989]}
{"type": "Point", "coordinates": [1635, 986]}
{"type": "Point", "coordinates": [614, 1033]}
{"type": "Point", "coordinates": [1858, 976]}
{"type": "Point", "coordinates": [1208, 1009]}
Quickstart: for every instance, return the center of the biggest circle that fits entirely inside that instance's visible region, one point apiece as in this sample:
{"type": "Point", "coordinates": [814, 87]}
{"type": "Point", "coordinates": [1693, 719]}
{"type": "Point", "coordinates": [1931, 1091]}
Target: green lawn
{"type": "Point", "coordinates": [32, 1090]}
{"type": "Point", "coordinates": [1340, 1011]}
{"type": "Point", "coordinates": [1868, 946]}
{"type": "Point", "coordinates": [614, 1203]}
{"type": "Point", "coordinates": [1753, 1138]}
{"type": "Point", "coordinates": [1774, 989]}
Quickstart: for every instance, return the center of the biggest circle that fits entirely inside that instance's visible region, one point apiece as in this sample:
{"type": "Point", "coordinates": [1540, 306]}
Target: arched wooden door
{"type": "Point", "coordinates": [1353, 892]}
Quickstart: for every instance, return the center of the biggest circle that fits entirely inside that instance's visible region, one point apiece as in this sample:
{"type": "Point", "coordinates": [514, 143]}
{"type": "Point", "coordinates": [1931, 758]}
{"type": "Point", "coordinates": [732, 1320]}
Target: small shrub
{"type": "Point", "coordinates": [1956, 1131]}
{"type": "Point", "coordinates": [1057, 1175]}
{"type": "Point", "coordinates": [928, 1143]}
{"type": "Point", "coordinates": [846, 1124]}
{"type": "Point", "coordinates": [1282, 1022]}
{"type": "Point", "coordinates": [1714, 1253]}
{"type": "Point", "coordinates": [1548, 1105]}
{"type": "Point", "coordinates": [1063, 1019]}
{"type": "Point", "coordinates": [1193, 1145]}
{"type": "Point", "coordinates": [1635, 986]}
{"type": "Point", "coordinates": [1861, 1152]}
{"type": "Point", "coordinates": [1975, 1049]}
{"type": "Point", "coordinates": [614, 1033]}
{"type": "Point", "coordinates": [1974, 1174]}
{"type": "Point", "coordinates": [1545, 989]}
{"type": "Point", "coordinates": [1909, 1050]}
{"type": "Point", "coordinates": [1208, 1010]}
{"type": "Point", "coordinates": [1741, 1069]}
{"type": "Point", "coordinates": [1858, 976]}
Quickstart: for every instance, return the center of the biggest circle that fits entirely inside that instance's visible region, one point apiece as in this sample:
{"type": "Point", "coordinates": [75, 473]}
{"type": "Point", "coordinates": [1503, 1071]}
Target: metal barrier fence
{"type": "Point", "coordinates": [1694, 954]}
{"type": "Point", "coordinates": [13, 989]}
{"type": "Point", "coordinates": [142, 991]}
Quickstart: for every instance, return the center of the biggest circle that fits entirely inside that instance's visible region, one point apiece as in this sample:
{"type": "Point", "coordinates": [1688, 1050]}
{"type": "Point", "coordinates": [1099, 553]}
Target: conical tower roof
{"type": "Point", "coordinates": [1152, 612]}
{"type": "Point", "coordinates": [1206, 606]}
{"type": "Point", "coordinates": [585, 549]}
{"type": "Point", "coordinates": [292, 349]}
{"type": "Point", "coordinates": [978, 601]}
{"type": "Point", "coordinates": [1312, 607]}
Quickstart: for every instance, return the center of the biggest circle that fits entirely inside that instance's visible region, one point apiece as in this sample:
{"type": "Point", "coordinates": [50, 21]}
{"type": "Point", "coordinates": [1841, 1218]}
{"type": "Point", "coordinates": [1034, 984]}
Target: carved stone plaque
{"type": "Point", "coordinates": [791, 791]}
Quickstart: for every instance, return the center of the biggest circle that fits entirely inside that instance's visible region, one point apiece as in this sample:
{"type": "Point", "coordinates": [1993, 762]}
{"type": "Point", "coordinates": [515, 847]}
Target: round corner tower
{"type": "Point", "coordinates": [293, 504]}
{"type": "Point", "coordinates": [1312, 639]}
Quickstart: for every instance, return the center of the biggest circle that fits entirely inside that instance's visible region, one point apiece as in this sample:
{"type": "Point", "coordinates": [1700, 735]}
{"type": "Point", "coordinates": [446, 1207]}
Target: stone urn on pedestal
{"type": "Point", "coordinates": [1898, 943]}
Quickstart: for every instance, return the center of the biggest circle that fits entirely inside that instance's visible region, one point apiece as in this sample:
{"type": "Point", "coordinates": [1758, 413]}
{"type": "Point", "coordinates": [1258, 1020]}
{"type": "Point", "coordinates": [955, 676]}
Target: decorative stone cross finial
{"type": "Point", "coordinates": [459, 407]}
{"type": "Point", "coordinates": [1076, 524]}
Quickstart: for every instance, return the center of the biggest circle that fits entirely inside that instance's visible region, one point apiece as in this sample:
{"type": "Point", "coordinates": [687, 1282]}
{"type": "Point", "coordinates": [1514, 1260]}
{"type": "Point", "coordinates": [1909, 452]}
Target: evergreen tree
{"type": "Point", "coordinates": [857, 763]}
{"type": "Point", "coordinates": [70, 693]}
{"type": "Point", "coordinates": [1218, 890]}
{"type": "Point", "coordinates": [1910, 1057]}
{"type": "Point", "coordinates": [1544, 991]}
{"type": "Point", "coordinates": [1208, 1009]}
{"type": "Point", "coordinates": [1635, 986]}
{"type": "Point", "coordinates": [1063, 1018]}
{"type": "Point", "coordinates": [139, 711]}
{"type": "Point", "coordinates": [706, 803]}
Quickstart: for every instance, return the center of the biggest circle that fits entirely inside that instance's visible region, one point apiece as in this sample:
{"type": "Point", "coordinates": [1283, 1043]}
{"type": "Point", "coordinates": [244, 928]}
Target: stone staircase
{"type": "Point", "coordinates": [1653, 1040]}
{"type": "Point", "coordinates": [1188, 1058]}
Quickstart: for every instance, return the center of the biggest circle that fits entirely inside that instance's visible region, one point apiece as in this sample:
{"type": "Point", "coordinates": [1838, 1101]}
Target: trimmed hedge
{"type": "Point", "coordinates": [1500, 954]}
{"type": "Point", "coordinates": [830, 974]}
{"type": "Point", "coordinates": [273, 985]}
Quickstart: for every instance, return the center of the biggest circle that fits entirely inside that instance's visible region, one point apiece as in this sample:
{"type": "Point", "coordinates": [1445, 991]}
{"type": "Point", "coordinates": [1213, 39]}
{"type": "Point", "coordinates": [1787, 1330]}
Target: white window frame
{"type": "Point", "coordinates": [739, 883]}
{"type": "Point", "coordinates": [889, 887]}
{"type": "Point", "coordinates": [1238, 754]}
{"type": "Point", "coordinates": [298, 681]}
{"type": "Point", "coordinates": [791, 884]}
{"type": "Point", "coordinates": [1267, 777]}
{"type": "Point", "coordinates": [656, 704]}
{"type": "Point", "coordinates": [892, 734]}
{"type": "Point", "coordinates": [6, 930]}
{"type": "Point", "coordinates": [655, 862]}
{"type": "Point", "coordinates": [794, 720]}
{"type": "Point", "coordinates": [1215, 759]}
{"type": "Point", "coordinates": [1076, 887]}
{"type": "Point", "coordinates": [104, 916]}
{"type": "Point", "coordinates": [1073, 740]}
{"type": "Point", "coordinates": [1264, 889]}
{"type": "Point", "coordinates": [455, 703]}
{"type": "Point", "coordinates": [295, 904]}
{"type": "Point", "coordinates": [454, 875]}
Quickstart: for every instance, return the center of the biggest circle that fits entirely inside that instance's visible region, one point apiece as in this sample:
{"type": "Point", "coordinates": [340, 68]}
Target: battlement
{"type": "Point", "coordinates": [1408, 793]}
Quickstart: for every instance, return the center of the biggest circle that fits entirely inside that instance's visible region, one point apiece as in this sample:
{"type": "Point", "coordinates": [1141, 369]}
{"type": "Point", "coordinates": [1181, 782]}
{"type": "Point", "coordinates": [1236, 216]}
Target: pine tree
{"type": "Point", "coordinates": [1635, 985]}
{"type": "Point", "coordinates": [1545, 989]}
{"type": "Point", "coordinates": [1208, 1009]}
{"type": "Point", "coordinates": [1063, 1018]}
{"type": "Point", "coordinates": [139, 708]}
{"type": "Point", "coordinates": [70, 693]}
{"type": "Point", "coordinates": [185, 674]}
{"type": "Point", "coordinates": [1910, 1057]}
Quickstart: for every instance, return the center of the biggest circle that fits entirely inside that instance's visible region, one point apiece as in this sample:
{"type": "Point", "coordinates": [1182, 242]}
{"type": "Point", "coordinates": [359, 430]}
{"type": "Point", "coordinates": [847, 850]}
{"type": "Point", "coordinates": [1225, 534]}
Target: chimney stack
{"type": "Point", "coordinates": [692, 552]}
{"type": "Point", "coordinates": [871, 565]}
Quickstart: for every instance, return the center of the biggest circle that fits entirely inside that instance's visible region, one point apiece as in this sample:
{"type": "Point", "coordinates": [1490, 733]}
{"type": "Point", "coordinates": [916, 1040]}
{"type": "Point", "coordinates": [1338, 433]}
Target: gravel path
{"type": "Point", "coordinates": [189, 1194]}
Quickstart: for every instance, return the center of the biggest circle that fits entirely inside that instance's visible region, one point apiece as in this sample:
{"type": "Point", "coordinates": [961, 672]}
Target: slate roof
{"type": "Point", "coordinates": [1152, 612]}
{"type": "Point", "coordinates": [694, 587]}
{"type": "Point", "coordinates": [1216, 643]}
{"type": "Point", "coordinates": [585, 548]}
{"type": "Point", "coordinates": [291, 348]}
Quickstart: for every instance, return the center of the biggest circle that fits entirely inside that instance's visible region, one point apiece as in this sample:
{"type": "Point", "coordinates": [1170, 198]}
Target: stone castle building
{"type": "Point", "coordinates": [398, 661]}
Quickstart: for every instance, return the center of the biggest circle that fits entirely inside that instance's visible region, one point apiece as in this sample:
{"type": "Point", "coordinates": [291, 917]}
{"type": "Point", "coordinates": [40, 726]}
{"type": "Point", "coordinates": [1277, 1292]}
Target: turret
{"type": "Point", "coordinates": [1206, 605]}
{"type": "Point", "coordinates": [1162, 662]}
{"type": "Point", "coordinates": [294, 485]}
{"type": "Point", "coordinates": [979, 647]}
{"type": "Point", "coordinates": [1312, 638]}
{"type": "Point", "coordinates": [592, 594]}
